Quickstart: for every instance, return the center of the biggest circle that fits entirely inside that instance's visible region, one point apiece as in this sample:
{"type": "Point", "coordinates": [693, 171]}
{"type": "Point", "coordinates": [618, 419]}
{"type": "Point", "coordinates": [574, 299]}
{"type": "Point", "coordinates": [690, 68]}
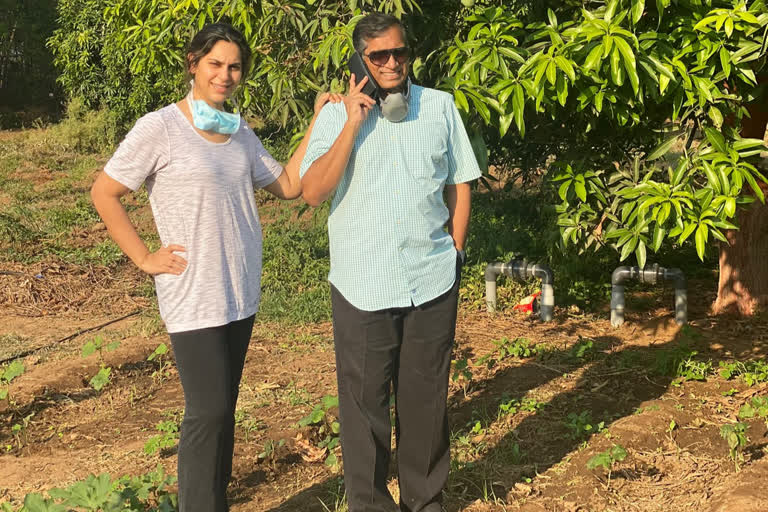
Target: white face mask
{"type": "Point", "coordinates": [394, 107]}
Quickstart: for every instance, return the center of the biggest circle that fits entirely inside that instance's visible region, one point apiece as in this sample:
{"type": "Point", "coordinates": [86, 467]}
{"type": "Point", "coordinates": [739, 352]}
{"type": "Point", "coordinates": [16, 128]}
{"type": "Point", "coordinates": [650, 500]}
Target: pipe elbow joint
{"type": "Point", "coordinates": [676, 275]}
{"type": "Point", "coordinates": [620, 275]}
{"type": "Point", "coordinates": [493, 270]}
{"type": "Point", "coordinates": [544, 273]}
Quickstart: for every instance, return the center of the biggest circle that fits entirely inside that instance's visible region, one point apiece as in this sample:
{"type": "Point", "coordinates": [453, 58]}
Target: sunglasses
{"type": "Point", "coordinates": [381, 57]}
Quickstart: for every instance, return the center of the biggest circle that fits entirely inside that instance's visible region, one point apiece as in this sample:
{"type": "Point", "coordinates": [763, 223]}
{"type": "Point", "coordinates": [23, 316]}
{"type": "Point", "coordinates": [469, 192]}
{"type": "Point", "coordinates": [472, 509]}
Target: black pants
{"type": "Point", "coordinates": [210, 363]}
{"type": "Point", "coordinates": [410, 350]}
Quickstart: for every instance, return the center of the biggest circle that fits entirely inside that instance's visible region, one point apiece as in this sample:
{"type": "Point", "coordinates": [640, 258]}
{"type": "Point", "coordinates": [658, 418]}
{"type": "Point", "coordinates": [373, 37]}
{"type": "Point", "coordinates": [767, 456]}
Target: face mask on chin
{"type": "Point", "coordinates": [394, 107]}
{"type": "Point", "coordinates": [207, 118]}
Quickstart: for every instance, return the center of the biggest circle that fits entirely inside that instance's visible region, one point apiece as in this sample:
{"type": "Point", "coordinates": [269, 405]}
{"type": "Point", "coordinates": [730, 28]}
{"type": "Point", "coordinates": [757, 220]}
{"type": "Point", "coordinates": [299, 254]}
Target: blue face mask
{"type": "Point", "coordinates": [207, 118]}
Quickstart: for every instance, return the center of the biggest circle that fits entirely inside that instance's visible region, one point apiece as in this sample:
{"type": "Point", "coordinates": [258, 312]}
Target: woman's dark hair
{"type": "Point", "coordinates": [211, 34]}
{"type": "Point", "coordinates": [371, 26]}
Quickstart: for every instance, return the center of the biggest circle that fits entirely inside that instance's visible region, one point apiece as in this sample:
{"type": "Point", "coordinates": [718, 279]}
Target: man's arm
{"type": "Point", "coordinates": [325, 173]}
{"type": "Point", "coordinates": [458, 199]}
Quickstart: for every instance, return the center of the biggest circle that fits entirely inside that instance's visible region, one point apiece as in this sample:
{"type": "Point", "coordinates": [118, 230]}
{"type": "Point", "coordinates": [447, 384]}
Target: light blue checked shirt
{"type": "Point", "coordinates": [388, 246]}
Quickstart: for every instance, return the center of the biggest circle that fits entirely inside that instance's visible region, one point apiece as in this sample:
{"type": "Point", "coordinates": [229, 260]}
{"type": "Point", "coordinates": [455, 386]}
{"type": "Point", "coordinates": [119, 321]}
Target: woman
{"type": "Point", "coordinates": [201, 166]}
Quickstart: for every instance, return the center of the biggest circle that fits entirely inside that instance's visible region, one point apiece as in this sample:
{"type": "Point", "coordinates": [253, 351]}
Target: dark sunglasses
{"type": "Point", "coordinates": [381, 57]}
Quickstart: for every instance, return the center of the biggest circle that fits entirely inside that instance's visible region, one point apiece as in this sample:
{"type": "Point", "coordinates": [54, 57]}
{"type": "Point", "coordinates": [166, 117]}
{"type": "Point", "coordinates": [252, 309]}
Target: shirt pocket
{"type": "Point", "coordinates": [426, 154]}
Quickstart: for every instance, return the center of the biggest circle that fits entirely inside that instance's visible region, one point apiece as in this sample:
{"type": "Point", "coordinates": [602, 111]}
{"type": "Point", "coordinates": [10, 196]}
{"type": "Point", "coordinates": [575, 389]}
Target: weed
{"type": "Point", "coordinates": [582, 425]}
{"type": "Point", "coordinates": [582, 350]}
{"type": "Point", "coordinates": [163, 366]}
{"type": "Point", "coordinates": [735, 434]}
{"type": "Point", "coordinates": [751, 372]}
{"type": "Point", "coordinates": [145, 492]}
{"type": "Point", "coordinates": [248, 424]}
{"type": "Point", "coordinates": [758, 407]}
{"type": "Point", "coordinates": [326, 428]}
{"type": "Point", "coordinates": [518, 347]}
{"type": "Point", "coordinates": [20, 430]}
{"type": "Point", "coordinates": [679, 362]}
{"type": "Point", "coordinates": [608, 459]}
{"type": "Point", "coordinates": [509, 406]}
{"type": "Point", "coordinates": [7, 374]}
{"type": "Point", "coordinates": [269, 453]}
{"type": "Point", "coordinates": [99, 344]}
{"type": "Point", "coordinates": [167, 438]}
{"type": "Point", "coordinates": [462, 374]}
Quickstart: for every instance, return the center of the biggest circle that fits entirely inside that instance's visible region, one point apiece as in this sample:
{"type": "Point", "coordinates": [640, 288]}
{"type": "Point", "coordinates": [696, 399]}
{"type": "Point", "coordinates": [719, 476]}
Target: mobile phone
{"type": "Point", "coordinates": [359, 69]}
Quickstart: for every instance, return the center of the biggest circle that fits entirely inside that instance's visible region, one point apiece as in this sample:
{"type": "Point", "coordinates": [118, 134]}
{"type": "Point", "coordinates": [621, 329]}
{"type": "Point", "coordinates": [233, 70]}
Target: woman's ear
{"type": "Point", "coordinates": [191, 64]}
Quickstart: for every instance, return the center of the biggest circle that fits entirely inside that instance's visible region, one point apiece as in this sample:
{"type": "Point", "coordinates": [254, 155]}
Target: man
{"type": "Point", "coordinates": [394, 269]}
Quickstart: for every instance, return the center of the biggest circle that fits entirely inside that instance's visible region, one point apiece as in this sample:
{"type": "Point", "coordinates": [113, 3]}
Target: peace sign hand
{"type": "Point", "coordinates": [357, 103]}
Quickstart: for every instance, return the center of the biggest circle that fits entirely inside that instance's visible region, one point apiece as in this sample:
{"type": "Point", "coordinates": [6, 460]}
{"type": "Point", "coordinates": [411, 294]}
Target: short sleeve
{"type": "Point", "coordinates": [328, 126]}
{"type": "Point", "coordinates": [462, 163]}
{"type": "Point", "coordinates": [264, 169]}
{"type": "Point", "coordinates": [142, 153]}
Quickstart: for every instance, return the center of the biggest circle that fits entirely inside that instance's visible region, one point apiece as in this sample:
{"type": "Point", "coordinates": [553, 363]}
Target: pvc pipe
{"type": "Point", "coordinates": [521, 270]}
{"type": "Point", "coordinates": [648, 275]}
{"type": "Point", "coordinates": [492, 271]}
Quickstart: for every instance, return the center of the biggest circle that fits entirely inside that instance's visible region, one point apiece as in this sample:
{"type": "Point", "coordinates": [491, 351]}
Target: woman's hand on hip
{"type": "Point", "coordinates": [164, 261]}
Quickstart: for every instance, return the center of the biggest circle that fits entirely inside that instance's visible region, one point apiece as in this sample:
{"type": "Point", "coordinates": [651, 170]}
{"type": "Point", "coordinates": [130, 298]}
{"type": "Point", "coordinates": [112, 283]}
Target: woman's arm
{"type": "Point", "coordinates": [288, 184]}
{"type": "Point", "coordinates": [106, 193]}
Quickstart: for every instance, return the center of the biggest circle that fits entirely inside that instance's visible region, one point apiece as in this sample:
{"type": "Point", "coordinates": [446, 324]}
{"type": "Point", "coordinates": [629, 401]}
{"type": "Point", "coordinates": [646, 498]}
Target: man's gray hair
{"type": "Point", "coordinates": [371, 26]}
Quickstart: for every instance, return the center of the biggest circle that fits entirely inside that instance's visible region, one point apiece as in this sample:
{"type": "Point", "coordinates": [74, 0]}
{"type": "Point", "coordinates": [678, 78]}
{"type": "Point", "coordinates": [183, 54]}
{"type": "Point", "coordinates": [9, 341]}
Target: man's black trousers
{"type": "Point", "coordinates": [210, 363]}
{"type": "Point", "coordinates": [408, 349]}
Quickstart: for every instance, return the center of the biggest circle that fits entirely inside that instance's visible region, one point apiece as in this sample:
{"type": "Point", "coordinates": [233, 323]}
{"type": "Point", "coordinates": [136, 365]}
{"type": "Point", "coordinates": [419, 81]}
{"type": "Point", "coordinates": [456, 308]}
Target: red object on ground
{"type": "Point", "coordinates": [528, 305]}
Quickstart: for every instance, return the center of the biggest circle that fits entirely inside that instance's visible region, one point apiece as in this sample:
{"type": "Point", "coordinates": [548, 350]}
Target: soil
{"type": "Point", "coordinates": [527, 460]}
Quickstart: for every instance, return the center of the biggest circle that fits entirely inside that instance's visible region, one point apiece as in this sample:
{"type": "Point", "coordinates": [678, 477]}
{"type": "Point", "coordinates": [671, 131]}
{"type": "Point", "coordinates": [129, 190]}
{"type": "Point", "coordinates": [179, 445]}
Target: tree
{"type": "Point", "coordinates": [628, 84]}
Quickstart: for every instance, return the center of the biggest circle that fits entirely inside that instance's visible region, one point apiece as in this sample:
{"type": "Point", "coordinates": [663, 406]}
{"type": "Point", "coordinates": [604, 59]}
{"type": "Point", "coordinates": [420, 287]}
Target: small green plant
{"type": "Point", "coordinates": [462, 374]}
{"type": "Point", "coordinates": [758, 407]}
{"type": "Point", "coordinates": [100, 345]}
{"type": "Point", "coordinates": [247, 423]}
{"type": "Point", "coordinates": [582, 425]}
{"type": "Point", "coordinates": [163, 365]}
{"type": "Point", "coordinates": [751, 372]}
{"type": "Point", "coordinates": [149, 492]}
{"type": "Point", "coordinates": [269, 453]}
{"type": "Point", "coordinates": [608, 459]}
{"type": "Point", "coordinates": [681, 364]}
{"type": "Point", "coordinates": [518, 347]}
{"type": "Point", "coordinates": [509, 406]}
{"type": "Point", "coordinates": [168, 436]}
{"type": "Point", "coordinates": [471, 441]}
{"type": "Point", "coordinates": [7, 374]}
{"type": "Point", "coordinates": [325, 427]}
{"type": "Point", "coordinates": [735, 434]}
{"type": "Point", "coordinates": [583, 349]}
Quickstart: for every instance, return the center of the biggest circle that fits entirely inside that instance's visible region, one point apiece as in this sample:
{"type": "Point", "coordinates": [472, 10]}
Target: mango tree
{"type": "Point", "coordinates": [625, 90]}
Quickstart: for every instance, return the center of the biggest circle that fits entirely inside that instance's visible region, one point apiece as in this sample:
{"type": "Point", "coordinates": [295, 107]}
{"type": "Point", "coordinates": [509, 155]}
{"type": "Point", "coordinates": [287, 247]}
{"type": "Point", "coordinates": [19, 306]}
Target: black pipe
{"type": "Point", "coordinates": [650, 275]}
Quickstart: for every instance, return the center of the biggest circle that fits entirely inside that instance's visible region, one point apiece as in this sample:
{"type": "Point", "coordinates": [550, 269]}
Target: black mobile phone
{"type": "Point", "coordinates": [360, 70]}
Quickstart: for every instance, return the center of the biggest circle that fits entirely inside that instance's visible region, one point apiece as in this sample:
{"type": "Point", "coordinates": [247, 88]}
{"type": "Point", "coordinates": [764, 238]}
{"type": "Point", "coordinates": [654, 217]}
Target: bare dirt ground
{"type": "Point", "coordinates": [514, 445]}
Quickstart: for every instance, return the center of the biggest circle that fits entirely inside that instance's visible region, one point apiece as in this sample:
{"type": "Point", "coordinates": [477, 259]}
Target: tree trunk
{"type": "Point", "coordinates": [743, 285]}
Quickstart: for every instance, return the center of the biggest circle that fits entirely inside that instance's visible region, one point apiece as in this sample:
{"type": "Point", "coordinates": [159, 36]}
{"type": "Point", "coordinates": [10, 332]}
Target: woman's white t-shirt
{"type": "Point", "coordinates": [202, 197]}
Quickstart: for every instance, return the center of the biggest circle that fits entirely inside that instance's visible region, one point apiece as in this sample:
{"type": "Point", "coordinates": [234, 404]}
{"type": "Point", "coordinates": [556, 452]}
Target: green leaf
{"type": "Point", "coordinates": [518, 107]}
{"type": "Point", "coordinates": [566, 66]}
{"type": "Point", "coordinates": [616, 70]}
{"type": "Point", "coordinates": [658, 238]}
{"type": "Point", "coordinates": [580, 190]}
{"type": "Point", "coordinates": [101, 379]}
{"type": "Point", "coordinates": [663, 148]}
{"type": "Point", "coordinates": [551, 72]}
{"type": "Point", "coordinates": [716, 116]}
{"type": "Point", "coordinates": [88, 349]}
{"type": "Point", "coordinates": [701, 240]}
{"type": "Point", "coordinates": [638, 6]}
{"type": "Point", "coordinates": [640, 254]}
{"type": "Point", "coordinates": [563, 190]}
{"type": "Point", "coordinates": [13, 370]}
{"type": "Point", "coordinates": [594, 58]}
{"type": "Point", "coordinates": [716, 139]}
